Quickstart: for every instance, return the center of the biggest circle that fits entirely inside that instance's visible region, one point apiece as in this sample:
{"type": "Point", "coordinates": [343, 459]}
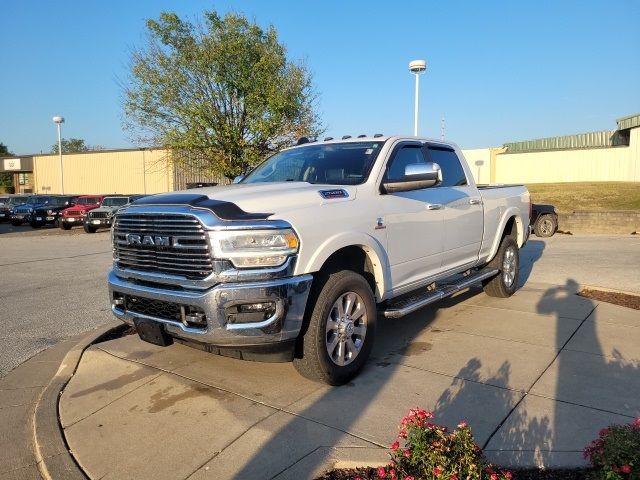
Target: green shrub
{"type": "Point", "coordinates": [615, 454]}
{"type": "Point", "coordinates": [430, 451]}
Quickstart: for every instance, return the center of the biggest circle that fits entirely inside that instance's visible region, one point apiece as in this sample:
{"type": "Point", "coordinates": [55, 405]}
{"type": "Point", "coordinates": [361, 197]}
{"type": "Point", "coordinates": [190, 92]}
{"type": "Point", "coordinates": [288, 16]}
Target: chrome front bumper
{"type": "Point", "coordinates": [288, 294]}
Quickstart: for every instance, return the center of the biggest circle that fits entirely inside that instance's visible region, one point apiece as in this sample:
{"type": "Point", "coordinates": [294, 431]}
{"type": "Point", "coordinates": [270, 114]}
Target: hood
{"type": "Point", "coordinates": [276, 198]}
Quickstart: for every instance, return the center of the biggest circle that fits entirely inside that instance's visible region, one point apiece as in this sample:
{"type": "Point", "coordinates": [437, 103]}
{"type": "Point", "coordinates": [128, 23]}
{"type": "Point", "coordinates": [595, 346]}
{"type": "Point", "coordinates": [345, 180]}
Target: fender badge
{"type": "Point", "coordinates": [380, 225]}
{"type": "Point", "coordinates": [333, 193]}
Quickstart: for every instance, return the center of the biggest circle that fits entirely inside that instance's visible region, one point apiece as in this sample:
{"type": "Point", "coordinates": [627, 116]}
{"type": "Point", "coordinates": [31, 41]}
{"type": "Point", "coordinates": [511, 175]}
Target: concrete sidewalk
{"type": "Point", "coordinates": [536, 376]}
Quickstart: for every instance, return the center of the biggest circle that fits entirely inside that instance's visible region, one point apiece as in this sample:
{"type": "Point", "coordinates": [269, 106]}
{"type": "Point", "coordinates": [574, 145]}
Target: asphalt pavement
{"type": "Point", "coordinates": [52, 287]}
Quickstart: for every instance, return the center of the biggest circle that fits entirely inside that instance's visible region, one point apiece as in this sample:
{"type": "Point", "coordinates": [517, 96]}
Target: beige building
{"type": "Point", "coordinates": [598, 156]}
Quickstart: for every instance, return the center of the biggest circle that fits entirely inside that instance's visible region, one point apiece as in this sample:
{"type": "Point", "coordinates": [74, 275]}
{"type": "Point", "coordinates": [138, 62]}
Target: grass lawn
{"type": "Point", "coordinates": [569, 197]}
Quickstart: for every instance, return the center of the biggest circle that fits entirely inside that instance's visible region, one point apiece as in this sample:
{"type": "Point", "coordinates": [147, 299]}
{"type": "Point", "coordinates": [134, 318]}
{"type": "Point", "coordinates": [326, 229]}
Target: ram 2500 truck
{"type": "Point", "coordinates": [298, 259]}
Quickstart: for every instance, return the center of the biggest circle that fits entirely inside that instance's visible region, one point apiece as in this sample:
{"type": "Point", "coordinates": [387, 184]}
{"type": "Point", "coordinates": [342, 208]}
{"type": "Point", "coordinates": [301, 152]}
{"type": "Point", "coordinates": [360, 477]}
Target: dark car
{"type": "Point", "coordinates": [48, 214]}
{"type": "Point", "coordinates": [544, 220]}
{"type": "Point", "coordinates": [22, 213]}
{"type": "Point", "coordinates": [8, 203]}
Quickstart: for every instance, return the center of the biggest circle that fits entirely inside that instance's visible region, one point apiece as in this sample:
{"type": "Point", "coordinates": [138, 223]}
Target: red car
{"type": "Point", "coordinates": [75, 215]}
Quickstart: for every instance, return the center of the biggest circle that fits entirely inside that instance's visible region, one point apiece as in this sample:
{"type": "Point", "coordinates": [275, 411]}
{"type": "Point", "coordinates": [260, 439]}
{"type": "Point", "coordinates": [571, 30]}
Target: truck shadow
{"type": "Point", "coordinates": [529, 255]}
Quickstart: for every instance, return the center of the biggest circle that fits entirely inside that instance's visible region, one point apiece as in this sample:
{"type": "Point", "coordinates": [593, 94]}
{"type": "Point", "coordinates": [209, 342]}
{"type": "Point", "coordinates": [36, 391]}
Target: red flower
{"type": "Point", "coordinates": [626, 468]}
{"type": "Point", "coordinates": [508, 475]}
{"type": "Point", "coordinates": [493, 476]}
{"type": "Point", "coordinates": [604, 432]}
{"type": "Point", "coordinates": [392, 472]}
{"type": "Point", "coordinates": [437, 472]}
{"type": "Point", "coordinates": [453, 477]}
{"type": "Point", "coordinates": [407, 453]}
{"type": "Point", "coordinates": [409, 478]}
{"type": "Point", "coordinates": [382, 472]}
{"type": "Point", "coordinates": [395, 445]}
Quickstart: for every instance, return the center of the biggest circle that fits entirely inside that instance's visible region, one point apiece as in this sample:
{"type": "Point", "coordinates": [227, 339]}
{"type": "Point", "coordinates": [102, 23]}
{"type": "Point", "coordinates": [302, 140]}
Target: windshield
{"type": "Point", "coordinates": [334, 164]}
{"type": "Point", "coordinates": [115, 201]}
{"type": "Point", "coordinates": [60, 201]}
{"type": "Point", "coordinates": [88, 200]}
{"type": "Point", "coordinates": [17, 200]}
{"type": "Point", "coordinates": [37, 199]}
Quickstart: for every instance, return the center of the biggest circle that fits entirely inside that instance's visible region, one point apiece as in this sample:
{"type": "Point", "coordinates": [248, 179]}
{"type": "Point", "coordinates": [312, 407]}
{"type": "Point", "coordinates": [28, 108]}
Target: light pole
{"type": "Point", "coordinates": [417, 67]}
{"type": "Point", "coordinates": [58, 121]}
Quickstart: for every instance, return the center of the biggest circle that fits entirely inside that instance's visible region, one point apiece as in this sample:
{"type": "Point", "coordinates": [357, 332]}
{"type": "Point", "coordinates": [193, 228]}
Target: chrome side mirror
{"type": "Point", "coordinates": [416, 177]}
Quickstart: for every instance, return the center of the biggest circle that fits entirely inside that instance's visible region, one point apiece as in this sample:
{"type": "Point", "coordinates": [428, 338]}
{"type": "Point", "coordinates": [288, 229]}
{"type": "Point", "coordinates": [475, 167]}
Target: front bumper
{"type": "Point", "coordinates": [289, 295]}
{"type": "Point", "coordinates": [73, 220]}
{"type": "Point", "coordinates": [98, 222]}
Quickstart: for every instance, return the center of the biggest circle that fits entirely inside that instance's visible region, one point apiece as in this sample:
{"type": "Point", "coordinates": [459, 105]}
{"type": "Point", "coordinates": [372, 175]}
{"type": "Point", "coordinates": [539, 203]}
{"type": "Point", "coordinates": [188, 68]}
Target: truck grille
{"type": "Point", "coordinates": [73, 213]}
{"type": "Point", "coordinates": [170, 244]}
{"type": "Point", "coordinates": [99, 215]}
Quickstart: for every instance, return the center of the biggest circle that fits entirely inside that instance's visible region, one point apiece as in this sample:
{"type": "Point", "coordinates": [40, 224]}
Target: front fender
{"type": "Point", "coordinates": [370, 245]}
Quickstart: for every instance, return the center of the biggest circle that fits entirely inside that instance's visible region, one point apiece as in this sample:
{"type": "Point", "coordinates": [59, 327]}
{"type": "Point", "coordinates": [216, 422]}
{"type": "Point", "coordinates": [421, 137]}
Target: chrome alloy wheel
{"type": "Point", "coordinates": [346, 328]}
{"type": "Point", "coordinates": [509, 267]}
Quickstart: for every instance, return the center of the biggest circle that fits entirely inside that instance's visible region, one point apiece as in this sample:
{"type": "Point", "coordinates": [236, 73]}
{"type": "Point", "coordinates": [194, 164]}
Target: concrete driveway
{"type": "Point", "coordinates": [536, 376]}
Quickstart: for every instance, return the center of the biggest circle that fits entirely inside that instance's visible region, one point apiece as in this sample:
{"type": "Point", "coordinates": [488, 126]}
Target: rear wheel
{"type": "Point", "coordinates": [341, 329]}
{"type": "Point", "coordinates": [545, 226]}
{"type": "Point", "coordinates": [507, 261]}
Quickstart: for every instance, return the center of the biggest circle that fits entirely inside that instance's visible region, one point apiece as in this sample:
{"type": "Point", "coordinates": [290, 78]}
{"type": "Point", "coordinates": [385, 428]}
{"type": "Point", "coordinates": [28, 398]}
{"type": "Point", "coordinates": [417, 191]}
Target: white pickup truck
{"type": "Point", "coordinates": [298, 259]}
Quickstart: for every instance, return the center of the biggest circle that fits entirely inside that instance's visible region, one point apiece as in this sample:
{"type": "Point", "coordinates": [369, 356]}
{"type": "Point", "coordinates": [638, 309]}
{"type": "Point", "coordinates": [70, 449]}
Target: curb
{"type": "Point", "coordinates": [53, 457]}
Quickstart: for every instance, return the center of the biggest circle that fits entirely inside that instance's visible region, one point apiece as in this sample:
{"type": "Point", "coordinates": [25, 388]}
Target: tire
{"type": "Point", "coordinates": [65, 226]}
{"type": "Point", "coordinates": [546, 225]}
{"type": "Point", "coordinates": [16, 223]}
{"type": "Point", "coordinates": [35, 225]}
{"type": "Point", "coordinates": [507, 260]}
{"type": "Point", "coordinates": [90, 229]}
{"type": "Point", "coordinates": [349, 340]}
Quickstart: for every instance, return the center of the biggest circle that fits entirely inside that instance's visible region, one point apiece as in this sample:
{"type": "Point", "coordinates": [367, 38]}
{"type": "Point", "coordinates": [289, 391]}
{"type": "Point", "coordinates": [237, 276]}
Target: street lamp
{"type": "Point", "coordinates": [417, 67]}
{"type": "Point", "coordinates": [58, 121]}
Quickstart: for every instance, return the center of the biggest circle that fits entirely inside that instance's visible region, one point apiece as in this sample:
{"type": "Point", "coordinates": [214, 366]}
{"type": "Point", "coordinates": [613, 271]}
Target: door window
{"type": "Point", "coordinates": [452, 172]}
{"type": "Point", "coordinates": [407, 155]}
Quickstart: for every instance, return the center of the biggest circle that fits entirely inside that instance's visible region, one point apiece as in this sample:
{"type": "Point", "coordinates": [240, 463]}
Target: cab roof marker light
{"type": "Point", "coordinates": [377, 135]}
{"type": "Point", "coordinates": [326, 139]}
{"type": "Point", "coordinates": [345, 137]}
{"type": "Point", "coordinates": [362, 136]}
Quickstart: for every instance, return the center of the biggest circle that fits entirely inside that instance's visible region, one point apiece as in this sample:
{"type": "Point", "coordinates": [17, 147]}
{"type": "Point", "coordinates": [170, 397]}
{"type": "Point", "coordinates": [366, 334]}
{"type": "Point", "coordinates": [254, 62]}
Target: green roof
{"type": "Point", "coordinates": [603, 139]}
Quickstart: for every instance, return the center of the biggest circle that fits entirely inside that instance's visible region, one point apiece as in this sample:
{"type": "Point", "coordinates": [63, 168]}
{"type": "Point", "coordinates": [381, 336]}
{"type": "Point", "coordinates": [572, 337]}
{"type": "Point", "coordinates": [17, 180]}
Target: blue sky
{"type": "Point", "coordinates": [498, 71]}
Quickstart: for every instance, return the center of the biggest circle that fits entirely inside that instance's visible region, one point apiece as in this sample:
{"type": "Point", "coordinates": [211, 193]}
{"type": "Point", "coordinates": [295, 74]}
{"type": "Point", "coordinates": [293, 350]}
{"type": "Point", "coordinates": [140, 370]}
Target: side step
{"type": "Point", "coordinates": [415, 302]}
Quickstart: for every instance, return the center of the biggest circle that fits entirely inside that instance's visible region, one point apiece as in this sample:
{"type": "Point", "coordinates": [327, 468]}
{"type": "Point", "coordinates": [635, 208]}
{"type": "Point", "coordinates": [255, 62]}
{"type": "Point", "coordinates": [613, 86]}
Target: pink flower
{"type": "Point", "coordinates": [407, 453]}
{"type": "Point", "coordinates": [626, 468]}
{"type": "Point", "coordinates": [392, 472]}
{"type": "Point", "coordinates": [382, 472]}
{"type": "Point", "coordinates": [395, 445]}
{"type": "Point", "coordinates": [462, 424]}
{"type": "Point", "coordinates": [409, 478]}
{"type": "Point", "coordinates": [437, 472]}
{"type": "Point", "coordinates": [453, 477]}
{"type": "Point", "coordinates": [604, 432]}
{"type": "Point", "coordinates": [493, 476]}
{"type": "Point", "coordinates": [508, 475]}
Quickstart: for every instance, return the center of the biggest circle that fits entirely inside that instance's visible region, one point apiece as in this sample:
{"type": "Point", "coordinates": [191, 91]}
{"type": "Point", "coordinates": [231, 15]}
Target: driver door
{"type": "Point", "coordinates": [414, 222]}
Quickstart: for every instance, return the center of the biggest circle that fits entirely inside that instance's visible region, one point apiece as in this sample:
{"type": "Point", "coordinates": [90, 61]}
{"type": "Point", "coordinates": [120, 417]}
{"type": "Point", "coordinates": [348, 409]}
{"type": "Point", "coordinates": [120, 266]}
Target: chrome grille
{"type": "Point", "coordinates": [190, 259]}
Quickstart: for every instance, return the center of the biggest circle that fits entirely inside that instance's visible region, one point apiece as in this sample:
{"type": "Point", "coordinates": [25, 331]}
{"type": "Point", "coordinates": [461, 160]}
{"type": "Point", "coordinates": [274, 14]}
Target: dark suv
{"type": "Point", "coordinates": [8, 203]}
{"type": "Point", "coordinates": [101, 217]}
{"type": "Point", "coordinates": [22, 213]}
{"type": "Point", "coordinates": [49, 214]}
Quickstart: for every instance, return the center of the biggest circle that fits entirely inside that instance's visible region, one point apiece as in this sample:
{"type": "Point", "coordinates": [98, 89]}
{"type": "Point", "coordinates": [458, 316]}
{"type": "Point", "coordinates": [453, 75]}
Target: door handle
{"type": "Point", "coordinates": [434, 206]}
{"type": "Point", "coordinates": [475, 201]}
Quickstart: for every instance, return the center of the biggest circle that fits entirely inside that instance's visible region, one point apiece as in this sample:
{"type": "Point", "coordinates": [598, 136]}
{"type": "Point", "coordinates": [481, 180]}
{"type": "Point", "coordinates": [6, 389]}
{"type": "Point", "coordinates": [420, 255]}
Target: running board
{"type": "Point", "coordinates": [410, 304]}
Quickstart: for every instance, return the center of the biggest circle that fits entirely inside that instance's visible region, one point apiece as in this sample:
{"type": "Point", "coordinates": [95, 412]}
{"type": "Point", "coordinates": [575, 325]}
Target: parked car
{"type": "Point", "coordinates": [296, 261]}
{"type": "Point", "coordinates": [544, 219]}
{"type": "Point", "coordinates": [22, 213]}
{"type": "Point", "coordinates": [101, 216]}
{"type": "Point", "coordinates": [8, 203]}
{"type": "Point", "coordinates": [72, 216]}
{"type": "Point", "coordinates": [49, 214]}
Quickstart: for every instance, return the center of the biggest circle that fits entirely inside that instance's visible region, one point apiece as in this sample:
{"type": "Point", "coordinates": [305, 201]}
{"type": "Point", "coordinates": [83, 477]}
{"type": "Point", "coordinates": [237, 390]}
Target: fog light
{"type": "Point", "coordinates": [118, 302]}
{"type": "Point", "coordinates": [250, 312]}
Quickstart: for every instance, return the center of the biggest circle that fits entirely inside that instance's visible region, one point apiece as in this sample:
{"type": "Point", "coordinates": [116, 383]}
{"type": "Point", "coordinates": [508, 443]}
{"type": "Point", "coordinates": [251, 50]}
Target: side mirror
{"type": "Point", "coordinates": [238, 179]}
{"type": "Point", "coordinates": [416, 177]}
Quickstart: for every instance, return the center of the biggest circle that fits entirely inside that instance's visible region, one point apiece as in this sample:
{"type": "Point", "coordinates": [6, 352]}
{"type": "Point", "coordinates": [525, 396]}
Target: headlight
{"type": "Point", "coordinates": [49, 212]}
{"type": "Point", "coordinates": [259, 248]}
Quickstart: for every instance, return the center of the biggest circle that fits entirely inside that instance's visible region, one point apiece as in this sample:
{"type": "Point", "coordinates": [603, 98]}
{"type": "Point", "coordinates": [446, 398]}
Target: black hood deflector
{"type": "Point", "coordinates": [223, 210]}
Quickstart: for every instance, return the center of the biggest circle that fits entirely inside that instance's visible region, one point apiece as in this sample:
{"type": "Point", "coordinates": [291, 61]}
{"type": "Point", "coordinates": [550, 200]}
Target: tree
{"type": "Point", "coordinates": [223, 90]}
{"type": "Point", "coordinates": [71, 145]}
{"type": "Point", "coordinates": [6, 178]}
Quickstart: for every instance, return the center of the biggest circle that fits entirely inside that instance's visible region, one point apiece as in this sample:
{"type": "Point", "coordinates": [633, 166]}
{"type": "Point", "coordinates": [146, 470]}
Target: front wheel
{"type": "Point", "coordinates": [507, 261]}
{"type": "Point", "coordinates": [65, 226]}
{"type": "Point", "coordinates": [340, 333]}
{"type": "Point", "coordinates": [89, 229]}
{"type": "Point", "coordinates": [16, 223]}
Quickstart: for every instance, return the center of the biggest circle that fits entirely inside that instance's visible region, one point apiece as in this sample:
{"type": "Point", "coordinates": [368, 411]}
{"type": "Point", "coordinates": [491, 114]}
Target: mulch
{"type": "Point", "coordinates": [621, 299]}
{"type": "Point", "coordinates": [518, 474]}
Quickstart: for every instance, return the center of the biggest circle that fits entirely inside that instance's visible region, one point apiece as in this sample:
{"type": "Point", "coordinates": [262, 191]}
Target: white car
{"type": "Point", "coordinates": [298, 259]}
